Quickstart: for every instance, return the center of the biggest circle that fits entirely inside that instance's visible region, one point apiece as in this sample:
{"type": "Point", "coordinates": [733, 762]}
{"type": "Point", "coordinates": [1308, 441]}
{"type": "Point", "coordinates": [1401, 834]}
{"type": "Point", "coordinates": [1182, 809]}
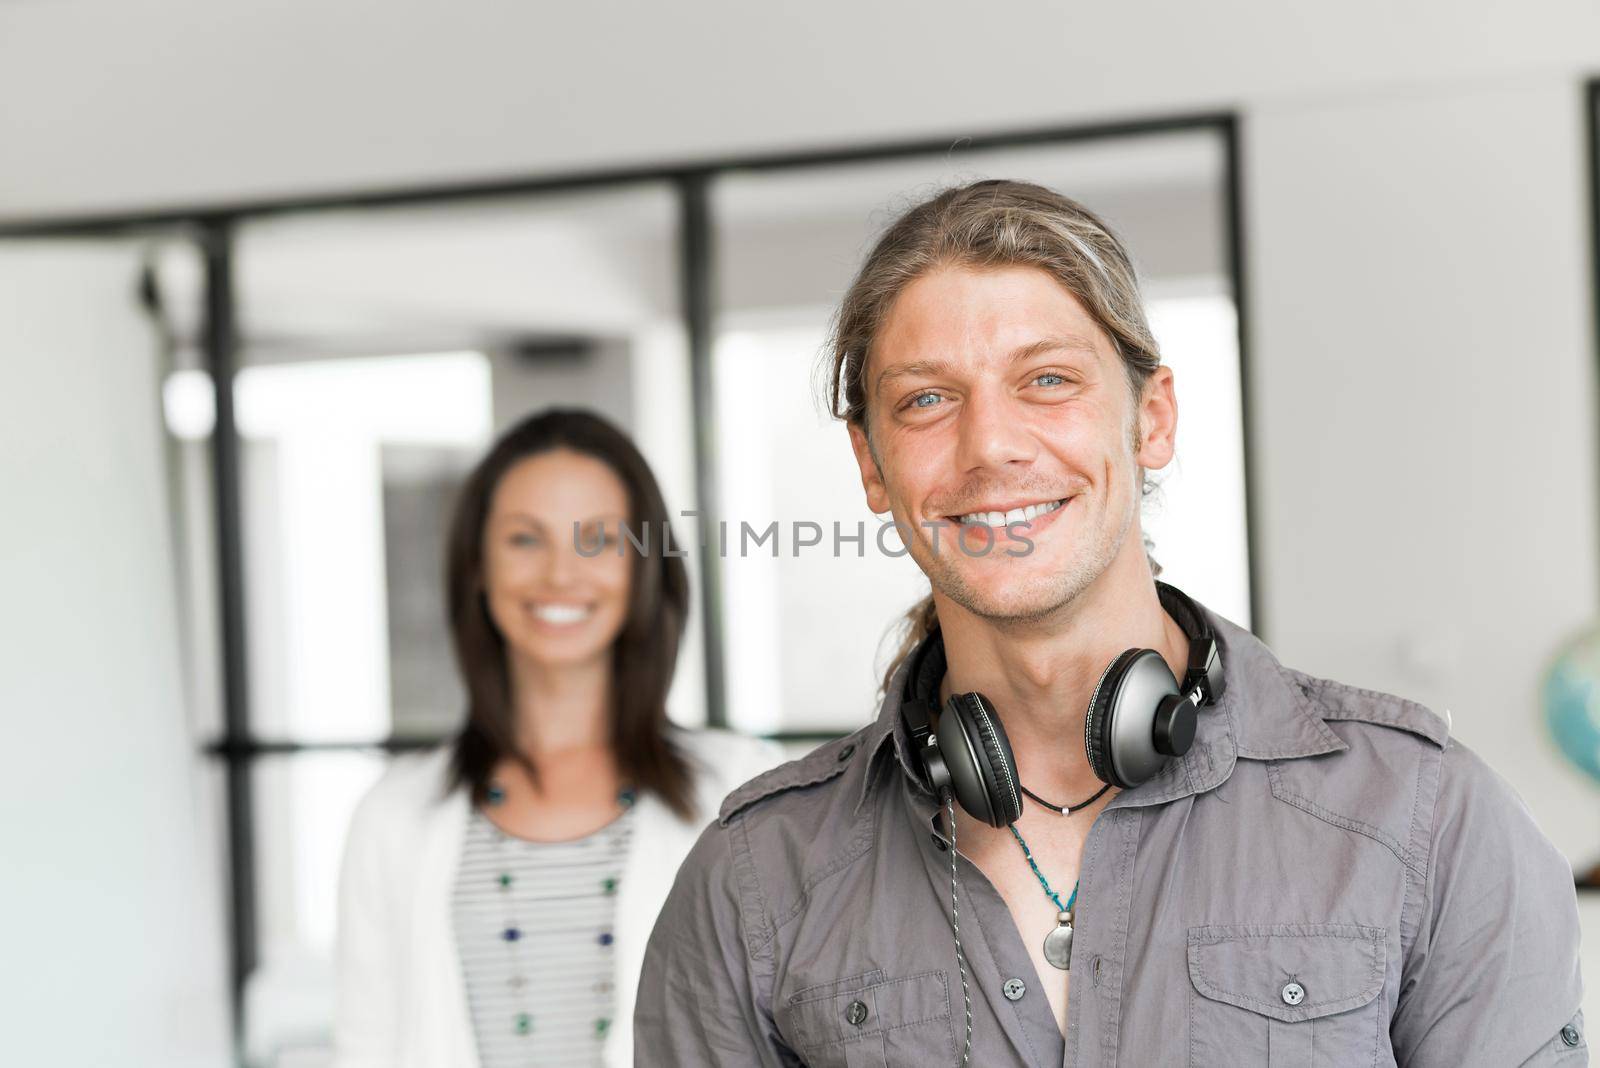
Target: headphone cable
{"type": "Point", "coordinates": [955, 927]}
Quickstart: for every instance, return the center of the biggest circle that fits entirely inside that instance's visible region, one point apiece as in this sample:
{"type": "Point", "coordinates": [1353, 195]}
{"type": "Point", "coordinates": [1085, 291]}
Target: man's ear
{"type": "Point", "coordinates": [1157, 421]}
{"type": "Point", "coordinates": [871, 477]}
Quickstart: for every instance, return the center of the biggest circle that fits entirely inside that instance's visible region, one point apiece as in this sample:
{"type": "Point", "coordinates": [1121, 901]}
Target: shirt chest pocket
{"type": "Point", "coordinates": [871, 1021]}
{"type": "Point", "coordinates": [1286, 995]}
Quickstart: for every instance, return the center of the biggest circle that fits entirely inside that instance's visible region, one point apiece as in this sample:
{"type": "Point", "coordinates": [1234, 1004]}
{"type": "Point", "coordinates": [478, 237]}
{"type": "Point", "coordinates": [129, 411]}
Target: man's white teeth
{"type": "Point", "coordinates": [561, 613]}
{"type": "Point", "coordinates": [1025, 514]}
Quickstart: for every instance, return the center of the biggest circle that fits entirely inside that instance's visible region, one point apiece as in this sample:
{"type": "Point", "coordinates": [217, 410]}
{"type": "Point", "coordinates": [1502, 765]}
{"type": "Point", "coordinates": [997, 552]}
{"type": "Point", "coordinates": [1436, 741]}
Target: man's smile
{"type": "Point", "coordinates": [1004, 514]}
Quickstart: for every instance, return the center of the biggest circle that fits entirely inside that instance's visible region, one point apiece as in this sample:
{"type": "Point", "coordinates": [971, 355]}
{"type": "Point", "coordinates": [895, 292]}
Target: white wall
{"type": "Point", "coordinates": [1424, 406]}
{"type": "Point", "coordinates": [110, 908]}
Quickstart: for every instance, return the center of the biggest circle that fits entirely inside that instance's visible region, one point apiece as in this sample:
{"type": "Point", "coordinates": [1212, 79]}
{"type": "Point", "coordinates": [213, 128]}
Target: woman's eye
{"type": "Point", "coordinates": [596, 538]}
{"type": "Point", "coordinates": [524, 540]}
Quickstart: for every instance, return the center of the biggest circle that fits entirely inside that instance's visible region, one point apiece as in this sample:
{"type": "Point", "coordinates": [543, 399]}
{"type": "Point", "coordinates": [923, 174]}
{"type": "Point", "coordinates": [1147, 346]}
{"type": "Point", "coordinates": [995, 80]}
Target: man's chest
{"type": "Point", "coordinates": [1039, 885]}
{"type": "Point", "coordinates": [1208, 931]}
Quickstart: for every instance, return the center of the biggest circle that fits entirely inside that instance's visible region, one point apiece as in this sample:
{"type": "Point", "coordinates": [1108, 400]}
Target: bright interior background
{"type": "Point", "coordinates": [382, 351]}
{"type": "Point", "coordinates": [1419, 304]}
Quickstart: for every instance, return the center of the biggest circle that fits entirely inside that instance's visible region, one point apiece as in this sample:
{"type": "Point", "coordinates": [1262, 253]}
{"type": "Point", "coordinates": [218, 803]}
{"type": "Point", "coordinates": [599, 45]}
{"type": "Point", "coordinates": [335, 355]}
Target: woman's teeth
{"type": "Point", "coordinates": [562, 613]}
{"type": "Point", "coordinates": [1025, 514]}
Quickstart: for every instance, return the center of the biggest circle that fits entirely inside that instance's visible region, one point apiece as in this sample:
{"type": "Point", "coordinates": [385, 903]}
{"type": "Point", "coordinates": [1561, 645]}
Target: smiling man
{"type": "Point", "coordinates": [1094, 822]}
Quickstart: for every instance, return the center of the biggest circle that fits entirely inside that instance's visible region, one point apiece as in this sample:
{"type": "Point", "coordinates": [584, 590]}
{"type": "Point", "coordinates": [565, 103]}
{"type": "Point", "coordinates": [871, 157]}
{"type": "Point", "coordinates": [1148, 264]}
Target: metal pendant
{"type": "Point", "coordinates": [1058, 943]}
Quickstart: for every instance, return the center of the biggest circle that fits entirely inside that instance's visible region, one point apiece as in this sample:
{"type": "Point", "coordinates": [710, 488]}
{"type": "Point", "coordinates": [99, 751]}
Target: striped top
{"type": "Point", "coordinates": [533, 923]}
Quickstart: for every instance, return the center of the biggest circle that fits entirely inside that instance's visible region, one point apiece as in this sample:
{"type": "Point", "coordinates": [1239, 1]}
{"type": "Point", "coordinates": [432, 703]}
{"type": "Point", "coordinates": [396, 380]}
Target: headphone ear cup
{"type": "Point", "coordinates": [988, 789]}
{"type": "Point", "coordinates": [1097, 721]}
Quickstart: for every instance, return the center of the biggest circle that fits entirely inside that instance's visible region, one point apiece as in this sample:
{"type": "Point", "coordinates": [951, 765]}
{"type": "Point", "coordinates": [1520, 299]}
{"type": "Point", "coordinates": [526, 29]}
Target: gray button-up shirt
{"type": "Point", "coordinates": [1326, 878]}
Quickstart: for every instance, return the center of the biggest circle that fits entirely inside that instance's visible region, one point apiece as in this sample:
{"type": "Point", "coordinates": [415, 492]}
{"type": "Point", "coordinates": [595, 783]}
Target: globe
{"type": "Point", "coordinates": [1571, 700]}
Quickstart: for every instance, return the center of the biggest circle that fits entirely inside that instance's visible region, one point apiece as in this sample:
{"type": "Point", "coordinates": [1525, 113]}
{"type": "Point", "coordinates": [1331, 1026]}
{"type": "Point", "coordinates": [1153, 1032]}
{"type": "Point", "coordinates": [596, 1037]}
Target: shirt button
{"type": "Point", "coordinates": [856, 1013]}
{"type": "Point", "coordinates": [1293, 993]}
{"type": "Point", "coordinates": [1014, 989]}
{"type": "Point", "coordinates": [1569, 1035]}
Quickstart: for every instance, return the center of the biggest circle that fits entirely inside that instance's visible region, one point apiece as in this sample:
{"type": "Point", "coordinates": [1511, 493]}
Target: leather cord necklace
{"type": "Point", "coordinates": [1065, 810]}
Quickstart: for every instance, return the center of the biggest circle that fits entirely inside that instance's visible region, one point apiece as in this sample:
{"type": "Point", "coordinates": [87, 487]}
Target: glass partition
{"type": "Point", "coordinates": [788, 244]}
{"type": "Point", "coordinates": [383, 351]}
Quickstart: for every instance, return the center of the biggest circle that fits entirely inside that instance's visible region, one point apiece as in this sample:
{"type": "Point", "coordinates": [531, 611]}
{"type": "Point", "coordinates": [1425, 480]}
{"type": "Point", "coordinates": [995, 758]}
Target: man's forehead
{"type": "Point", "coordinates": [972, 317]}
{"type": "Point", "coordinates": [951, 359]}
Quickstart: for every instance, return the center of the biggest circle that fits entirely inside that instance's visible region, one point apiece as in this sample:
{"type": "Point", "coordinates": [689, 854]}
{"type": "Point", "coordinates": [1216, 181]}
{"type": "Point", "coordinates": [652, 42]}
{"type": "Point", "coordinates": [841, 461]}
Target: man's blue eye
{"type": "Point", "coordinates": [916, 402]}
{"type": "Point", "coordinates": [1050, 374]}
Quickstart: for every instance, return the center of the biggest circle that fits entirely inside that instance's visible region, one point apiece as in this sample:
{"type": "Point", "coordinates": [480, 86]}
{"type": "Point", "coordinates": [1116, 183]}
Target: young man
{"type": "Point", "coordinates": [1317, 875]}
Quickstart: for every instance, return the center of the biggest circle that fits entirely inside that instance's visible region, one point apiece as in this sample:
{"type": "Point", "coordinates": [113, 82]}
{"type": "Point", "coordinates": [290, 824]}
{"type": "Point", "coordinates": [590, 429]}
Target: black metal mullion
{"type": "Point", "coordinates": [221, 346]}
{"type": "Point", "coordinates": [698, 286]}
{"type": "Point", "coordinates": [1591, 142]}
{"type": "Point", "coordinates": [258, 748]}
{"type": "Point", "coordinates": [1233, 190]}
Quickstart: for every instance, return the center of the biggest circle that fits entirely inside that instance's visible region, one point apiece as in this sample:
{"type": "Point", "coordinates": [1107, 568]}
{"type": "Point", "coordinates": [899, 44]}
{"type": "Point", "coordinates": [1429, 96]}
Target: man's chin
{"type": "Point", "coordinates": [1011, 602]}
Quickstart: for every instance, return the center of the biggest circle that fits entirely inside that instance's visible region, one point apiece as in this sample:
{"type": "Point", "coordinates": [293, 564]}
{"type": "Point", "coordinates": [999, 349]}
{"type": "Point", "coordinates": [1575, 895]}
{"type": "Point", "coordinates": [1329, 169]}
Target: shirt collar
{"type": "Point", "coordinates": [1262, 714]}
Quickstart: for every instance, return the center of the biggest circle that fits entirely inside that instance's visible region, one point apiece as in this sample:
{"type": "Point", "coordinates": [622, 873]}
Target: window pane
{"type": "Point", "coordinates": [383, 351]}
{"type": "Point", "coordinates": [789, 243]}
{"type": "Point", "coordinates": [303, 805]}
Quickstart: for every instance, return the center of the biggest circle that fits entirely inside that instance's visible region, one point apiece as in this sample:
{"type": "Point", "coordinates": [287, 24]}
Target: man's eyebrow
{"type": "Point", "coordinates": [1058, 342]}
{"type": "Point", "coordinates": [934, 368]}
{"type": "Point", "coordinates": [930, 368]}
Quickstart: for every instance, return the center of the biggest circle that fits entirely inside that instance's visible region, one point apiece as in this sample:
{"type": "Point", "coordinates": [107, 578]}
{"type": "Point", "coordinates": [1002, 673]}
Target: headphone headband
{"type": "Point", "coordinates": [1202, 684]}
{"type": "Point", "coordinates": [927, 659]}
{"type": "Point", "coordinates": [1204, 670]}
{"type": "Point", "coordinates": [920, 696]}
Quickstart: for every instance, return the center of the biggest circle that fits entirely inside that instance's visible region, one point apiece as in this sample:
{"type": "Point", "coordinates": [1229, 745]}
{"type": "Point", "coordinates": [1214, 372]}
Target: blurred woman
{"type": "Point", "coordinates": [497, 892]}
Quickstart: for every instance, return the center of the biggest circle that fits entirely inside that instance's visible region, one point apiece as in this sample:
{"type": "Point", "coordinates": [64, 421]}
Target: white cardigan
{"type": "Point", "coordinates": [401, 997]}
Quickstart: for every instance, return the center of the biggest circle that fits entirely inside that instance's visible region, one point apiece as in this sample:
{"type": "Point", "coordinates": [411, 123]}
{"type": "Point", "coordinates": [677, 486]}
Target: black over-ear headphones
{"type": "Point", "coordinates": [1138, 718]}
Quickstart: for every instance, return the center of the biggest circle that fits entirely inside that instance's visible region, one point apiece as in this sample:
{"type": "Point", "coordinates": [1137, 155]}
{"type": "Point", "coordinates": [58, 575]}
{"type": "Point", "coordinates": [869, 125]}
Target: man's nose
{"type": "Point", "coordinates": [993, 433]}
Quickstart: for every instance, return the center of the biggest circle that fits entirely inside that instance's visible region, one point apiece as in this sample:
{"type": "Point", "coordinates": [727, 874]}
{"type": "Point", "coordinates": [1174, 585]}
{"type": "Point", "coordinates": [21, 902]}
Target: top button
{"type": "Point", "coordinates": [1293, 993]}
{"type": "Point", "coordinates": [1014, 989]}
{"type": "Point", "coordinates": [1569, 1035]}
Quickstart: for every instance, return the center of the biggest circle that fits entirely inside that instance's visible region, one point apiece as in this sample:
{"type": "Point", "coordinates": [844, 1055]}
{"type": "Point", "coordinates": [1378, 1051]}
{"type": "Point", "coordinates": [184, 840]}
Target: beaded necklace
{"type": "Point", "coordinates": [522, 1021]}
{"type": "Point", "coordinates": [1058, 943]}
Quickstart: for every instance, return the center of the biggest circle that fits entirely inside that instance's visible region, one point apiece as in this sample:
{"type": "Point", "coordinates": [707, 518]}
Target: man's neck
{"type": "Point", "coordinates": [1040, 676]}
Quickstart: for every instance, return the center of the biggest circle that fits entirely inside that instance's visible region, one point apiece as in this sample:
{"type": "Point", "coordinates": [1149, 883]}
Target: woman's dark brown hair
{"type": "Point", "coordinates": [645, 652]}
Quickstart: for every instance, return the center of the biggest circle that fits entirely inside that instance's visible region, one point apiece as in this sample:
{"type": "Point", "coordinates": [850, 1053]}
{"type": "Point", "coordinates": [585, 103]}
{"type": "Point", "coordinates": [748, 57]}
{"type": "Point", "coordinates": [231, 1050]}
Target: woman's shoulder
{"type": "Point", "coordinates": [720, 745]}
{"type": "Point", "coordinates": [410, 788]}
{"type": "Point", "coordinates": [727, 759]}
